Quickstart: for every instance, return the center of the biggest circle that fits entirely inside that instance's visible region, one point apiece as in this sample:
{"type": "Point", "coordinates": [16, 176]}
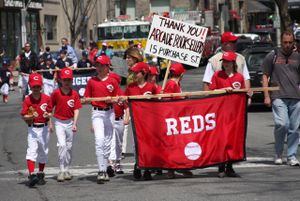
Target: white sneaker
{"type": "Point", "coordinates": [60, 177]}
{"type": "Point", "coordinates": [278, 161]}
{"type": "Point", "coordinates": [293, 162]}
{"type": "Point", "coordinates": [68, 175]}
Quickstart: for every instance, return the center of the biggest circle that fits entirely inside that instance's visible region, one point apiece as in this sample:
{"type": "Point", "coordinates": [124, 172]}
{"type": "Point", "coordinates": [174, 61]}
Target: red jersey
{"type": "Point", "coordinates": [42, 105]}
{"type": "Point", "coordinates": [173, 87]}
{"type": "Point", "coordinates": [120, 107]}
{"type": "Point", "coordinates": [101, 88]}
{"type": "Point", "coordinates": [221, 80]}
{"type": "Point", "coordinates": [65, 104]}
{"type": "Point", "coordinates": [134, 89]}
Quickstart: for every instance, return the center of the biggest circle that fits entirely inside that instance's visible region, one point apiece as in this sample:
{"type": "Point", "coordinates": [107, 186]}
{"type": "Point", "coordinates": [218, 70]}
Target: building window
{"type": "Point", "coordinates": [50, 27]}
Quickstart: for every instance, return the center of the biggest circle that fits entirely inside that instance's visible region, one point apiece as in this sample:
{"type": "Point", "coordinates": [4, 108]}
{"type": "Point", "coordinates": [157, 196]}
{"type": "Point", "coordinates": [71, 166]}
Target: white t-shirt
{"type": "Point", "coordinates": [209, 70]}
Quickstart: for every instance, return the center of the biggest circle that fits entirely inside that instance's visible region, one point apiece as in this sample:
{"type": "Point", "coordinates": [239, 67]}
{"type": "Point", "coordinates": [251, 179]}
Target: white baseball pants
{"type": "Point", "coordinates": [49, 86]}
{"type": "Point", "coordinates": [125, 134]}
{"type": "Point", "coordinates": [38, 139]}
{"type": "Point", "coordinates": [4, 89]}
{"type": "Point", "coordinates": [103, 122]}
{"type": "Point", "coordinates": [64, 135]}
{"type": "Point", "coordinates": [117, 140]}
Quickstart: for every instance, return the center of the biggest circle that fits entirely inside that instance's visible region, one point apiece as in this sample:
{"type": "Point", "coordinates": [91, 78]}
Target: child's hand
{"type": "Point", "coordinates": [74, 128]}
{"type": "Point", "coordinates": [35, 114]}
{"type": "Point", "coordinates": [46, 115]}
{"type": "Point", "coordinates": [228, 89]}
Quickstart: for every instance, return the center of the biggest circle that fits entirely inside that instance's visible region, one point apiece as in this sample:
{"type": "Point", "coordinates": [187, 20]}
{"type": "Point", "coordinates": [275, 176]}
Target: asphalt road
{"type": "Point", "coordinates": [260, 179]}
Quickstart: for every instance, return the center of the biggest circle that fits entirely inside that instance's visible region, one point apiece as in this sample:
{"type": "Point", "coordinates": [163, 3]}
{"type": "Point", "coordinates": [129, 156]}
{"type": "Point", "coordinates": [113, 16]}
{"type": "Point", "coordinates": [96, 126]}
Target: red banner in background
{"type": "Point", "coordinates": [190, 133]}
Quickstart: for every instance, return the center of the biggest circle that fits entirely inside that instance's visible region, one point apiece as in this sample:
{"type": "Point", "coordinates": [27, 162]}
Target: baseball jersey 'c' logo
{"type": "Point", "coordinates": [70, 103]}
{"type": "Point", "coordinates": [236, 85]}
{"type": "Point", "coordinates": [147, 93]}
{"type": "Point", "coordinates": [43, 107]}
{"type": "Point", "coordinates": [110, 88]}
{"type": "Point", "coordinates": [35, 78]}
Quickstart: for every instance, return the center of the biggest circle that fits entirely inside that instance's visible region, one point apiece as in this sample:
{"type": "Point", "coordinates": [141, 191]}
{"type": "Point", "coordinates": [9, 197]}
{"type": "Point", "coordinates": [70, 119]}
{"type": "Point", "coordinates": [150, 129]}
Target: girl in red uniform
{"type": "Point", "coordinates": [228, 78]}
{"type": "Point", "coordinates": [140, 86]}
{"type": "Point", "coordinates": [153, 77]}
{"type": "Point", "coordinates": [173, 86]}
{"type": "Point", "coordinates": [36, 112]}
{"type": "Point", "coordinates": [67, 103]}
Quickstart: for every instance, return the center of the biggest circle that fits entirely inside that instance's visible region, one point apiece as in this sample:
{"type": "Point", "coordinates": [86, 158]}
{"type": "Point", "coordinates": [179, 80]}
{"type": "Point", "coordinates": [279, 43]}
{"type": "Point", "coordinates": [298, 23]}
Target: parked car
{"type": "Point", "coordinates": [254, 56]}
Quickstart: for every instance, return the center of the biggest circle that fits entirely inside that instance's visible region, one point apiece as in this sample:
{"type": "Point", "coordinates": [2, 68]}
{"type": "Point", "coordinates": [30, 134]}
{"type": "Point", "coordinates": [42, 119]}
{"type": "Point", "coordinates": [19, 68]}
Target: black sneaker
{"type": "Point", "coordinates": [231, 173]}
{"type": "Point", "coordinates": [110, 171]}
{"type": "Point", "coordinates": [33, 180]}
{"type": "Point", "coordinates": [147, 175]}
{"type": "Point", "coordinates": [137, 174]}
{"type": "Point", "coordinates": [41, 177]}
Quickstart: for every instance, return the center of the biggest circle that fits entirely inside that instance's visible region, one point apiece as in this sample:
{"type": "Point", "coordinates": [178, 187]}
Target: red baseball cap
{"type": "Point", "coordinates": [66, 73]}
{"type": "Point", "coordinates": [153, 70]}
{"type": "Point", "coordinates": [140, 66]}
{"type": "Point", "coordinates": [177, 68]}
{"type": "Point", "coordinates": [228, 37]}
{"type": "Point", "coordinates": [229, 56]}
{"type": "Point", "coordinates": [35, 79]}
{"type": "Point", "coordinates": [103, 60]}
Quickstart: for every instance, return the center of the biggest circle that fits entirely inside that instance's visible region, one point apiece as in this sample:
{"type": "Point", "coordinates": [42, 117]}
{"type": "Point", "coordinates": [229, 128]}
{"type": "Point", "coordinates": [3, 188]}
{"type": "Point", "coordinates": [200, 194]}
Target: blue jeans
{"type": "Point", "coordinates": [286, 113]}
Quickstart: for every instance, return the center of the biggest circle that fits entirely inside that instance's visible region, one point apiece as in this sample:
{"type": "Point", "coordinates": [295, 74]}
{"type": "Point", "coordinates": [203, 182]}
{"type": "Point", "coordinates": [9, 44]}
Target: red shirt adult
{"type": "Point", "coordinates": [101, 88]}
{"type": "Point", "coordinates": [41, 105]}
{"type": "Point", "coordinates": [65, 104]}
{"type": "Point", "coordinates": [147, 89]}
{"type": "Point", "coordinates": [221, 80]}
{"type": "Point", "coordinates": [92, 55]}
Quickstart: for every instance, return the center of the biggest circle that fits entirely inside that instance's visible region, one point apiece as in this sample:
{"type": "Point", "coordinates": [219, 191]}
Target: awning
{"type": "Point", "coordinates": [257, 7]}
{"type": "Point", "coordinates": [294, 4]}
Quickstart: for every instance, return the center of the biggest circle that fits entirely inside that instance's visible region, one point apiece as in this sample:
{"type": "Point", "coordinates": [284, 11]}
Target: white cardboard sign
{"type": "Point", "coordinates": [176, 40]}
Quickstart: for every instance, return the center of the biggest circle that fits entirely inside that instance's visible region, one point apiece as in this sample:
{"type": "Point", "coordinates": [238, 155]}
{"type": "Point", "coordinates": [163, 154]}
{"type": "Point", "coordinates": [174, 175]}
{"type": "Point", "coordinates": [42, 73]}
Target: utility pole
{"type": "Point", "coordinates": [277, 25]}
{"type": "Point", "coordinates": [23, 21]}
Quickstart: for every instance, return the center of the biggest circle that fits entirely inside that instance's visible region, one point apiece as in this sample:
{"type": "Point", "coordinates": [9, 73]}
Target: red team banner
{"type": "Point", "coordinates": [189, 133]}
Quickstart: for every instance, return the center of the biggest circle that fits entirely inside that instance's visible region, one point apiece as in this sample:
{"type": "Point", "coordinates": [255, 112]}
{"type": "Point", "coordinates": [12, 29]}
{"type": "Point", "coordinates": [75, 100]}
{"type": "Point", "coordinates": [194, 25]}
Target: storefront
{"type": "Point", "coordinates": [11, 23]}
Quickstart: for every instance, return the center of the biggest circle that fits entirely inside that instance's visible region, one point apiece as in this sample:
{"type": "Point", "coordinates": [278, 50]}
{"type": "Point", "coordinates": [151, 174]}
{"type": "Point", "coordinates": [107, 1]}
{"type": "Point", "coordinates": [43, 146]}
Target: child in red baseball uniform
{"type": "Point", "coordinates": [36, 112]}
{"type": "Point", "coordinates": [140, 86]}
{"type": "Point", "coordinates": [66, 104]}
{"type": "Point", "coordinates": [103, 116]}
{"type": "Point", "coordinates": [153, 77]}
{"type": "Point", "coordinates": [173, 86]}
{"type": "Point", "coordinates": [121, 119]}
{"type": "Point", "coordinates": [228, 78]}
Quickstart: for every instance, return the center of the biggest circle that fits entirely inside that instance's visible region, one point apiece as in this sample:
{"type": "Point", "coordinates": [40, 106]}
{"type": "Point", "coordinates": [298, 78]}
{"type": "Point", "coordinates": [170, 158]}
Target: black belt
{"type": "Point", "coordinates": [118, 118]}
{"type": "Point", "coordinates": [38, 125]}
{"type": "Point", "coordinates": [103, 109]}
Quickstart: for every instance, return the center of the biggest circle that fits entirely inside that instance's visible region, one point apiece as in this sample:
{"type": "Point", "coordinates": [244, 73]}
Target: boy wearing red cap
{"type": "Point", "coordinates": [228, 40]}
{"type": "Point", "coordinates": [66, 104]}
{"type": "Point", "coordinates": [103, 116]}
{"type": "Point", "coordinates": [228, 78]}
{"type": "Point", "coordinates": [173, 86]}
{"type": "Point", "coordinates": [140, 86]}
{"type": "Point", "coordinates": [36, 112]}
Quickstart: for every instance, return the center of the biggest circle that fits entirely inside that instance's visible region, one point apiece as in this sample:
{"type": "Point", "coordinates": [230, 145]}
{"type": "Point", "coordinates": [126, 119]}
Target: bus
{"type": "Point", "coordinates": [119, 33]}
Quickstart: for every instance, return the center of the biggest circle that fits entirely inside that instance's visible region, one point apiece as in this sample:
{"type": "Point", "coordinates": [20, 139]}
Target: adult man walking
{"type": "Point", "coordinates": [282, 66]}
{"type": "Point", "coordinates": [70, 50]}
{"type": "Point", "coordinates": [228, 40]}
{"type": "Point", "coordinates": [28, 63]}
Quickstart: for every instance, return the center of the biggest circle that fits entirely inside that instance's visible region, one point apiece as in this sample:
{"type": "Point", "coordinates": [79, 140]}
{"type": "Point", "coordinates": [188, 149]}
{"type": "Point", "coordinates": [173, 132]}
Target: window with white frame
{"type": "Point", "coordinates": [50, 27]}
